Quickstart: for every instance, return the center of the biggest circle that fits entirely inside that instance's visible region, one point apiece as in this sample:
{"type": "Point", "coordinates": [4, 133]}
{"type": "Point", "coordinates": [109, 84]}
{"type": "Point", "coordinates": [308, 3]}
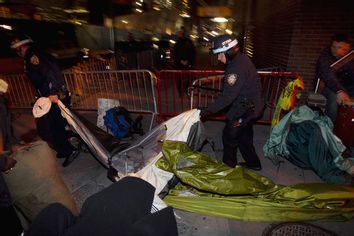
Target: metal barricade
{"type": "Point", "coordinates": [205, 90]}
{"type": "Point", "coordinates": [21, 93]}
{"type": "Point", "coordinates": [172, 89]}
{"type": "Point", "coordinates": [135, 90]}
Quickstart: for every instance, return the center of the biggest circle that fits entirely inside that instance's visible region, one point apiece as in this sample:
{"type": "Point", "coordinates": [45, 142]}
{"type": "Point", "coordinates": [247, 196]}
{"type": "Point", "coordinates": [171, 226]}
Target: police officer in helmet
{"type": "Point", "coordinates": [242, 98]}
{"type": "Point", "coordinates": [48, 81]}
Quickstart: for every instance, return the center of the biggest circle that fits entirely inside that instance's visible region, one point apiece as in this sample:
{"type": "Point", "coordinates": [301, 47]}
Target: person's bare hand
{"type": "Point", "coordinates": [18, 147]}
{"type": "Point", "coordinates": [342, 97]}
{"type": "Point", "coordinates": [54, 98]}
{"type": "Point", "coordinates": [9, 164]}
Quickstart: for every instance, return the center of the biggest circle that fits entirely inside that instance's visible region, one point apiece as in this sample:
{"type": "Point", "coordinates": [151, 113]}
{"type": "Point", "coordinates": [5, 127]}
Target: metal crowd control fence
{"type": "Point", "coordinates": [205, 90]}
{"type": "Point", "coordinates": [182, 90]}
{"type": "Point", "coordinates": [96, 65]}
{"type": "Point", "coordinates": [21, 93]}
{"type": "Point", "coordinates": [173, 89]}
{"type": "Point", "coordinates": [135, 90]}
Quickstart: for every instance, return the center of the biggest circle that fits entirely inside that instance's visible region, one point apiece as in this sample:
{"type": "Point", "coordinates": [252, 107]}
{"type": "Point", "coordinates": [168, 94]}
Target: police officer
{"type": "Point", "coordinates": [338, 83]}
{"type": "Point", "coordinates": [243, 100]}
{"type": "Point", "coordinates": [48, 81]}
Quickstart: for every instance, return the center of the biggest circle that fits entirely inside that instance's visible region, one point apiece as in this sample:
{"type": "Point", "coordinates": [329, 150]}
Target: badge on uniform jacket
{"type": "Point", "coordinates": [34, 60]}
{"type": "Point", "coordinates": [231, 79]}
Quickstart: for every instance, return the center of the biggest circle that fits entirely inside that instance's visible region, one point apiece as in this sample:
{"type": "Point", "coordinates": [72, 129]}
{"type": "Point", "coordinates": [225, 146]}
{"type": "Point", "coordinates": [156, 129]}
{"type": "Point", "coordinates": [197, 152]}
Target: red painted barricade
{"type": "Point", "coordinates": [173, 89]}
{"type": "Point", "coordinates": [178, 91]}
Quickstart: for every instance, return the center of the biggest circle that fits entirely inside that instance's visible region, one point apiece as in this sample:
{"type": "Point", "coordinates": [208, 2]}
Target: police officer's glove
{"type": "Point", "coordinates": [204, 114]}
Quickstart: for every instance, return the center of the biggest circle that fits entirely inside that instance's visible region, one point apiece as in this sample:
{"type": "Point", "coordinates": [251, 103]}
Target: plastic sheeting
{"type": "Point", "coordinates": [241, 194]}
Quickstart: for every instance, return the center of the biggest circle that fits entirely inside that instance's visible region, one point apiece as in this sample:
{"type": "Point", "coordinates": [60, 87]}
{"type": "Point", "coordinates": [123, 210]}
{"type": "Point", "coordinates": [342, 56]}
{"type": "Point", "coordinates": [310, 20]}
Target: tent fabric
{"type": "Point", "coordinates": [206, 173]}
{"type": "Point", "coordinates": [321, 202]}
{"type": "Point", "coordinates": [277, 147]}
{"type": "Point", "coordinates": [109, 150]}
{"type": "Point", "coordinates": [308, 150]}
{"type": "Point", "coordinates": [218, 190]}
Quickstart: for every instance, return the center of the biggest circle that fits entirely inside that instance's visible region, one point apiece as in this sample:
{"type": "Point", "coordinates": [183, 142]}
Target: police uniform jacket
{"type": "Point", "coordinates": [242, 90]}
{"type": "Point", "coordinates": [43, 72]}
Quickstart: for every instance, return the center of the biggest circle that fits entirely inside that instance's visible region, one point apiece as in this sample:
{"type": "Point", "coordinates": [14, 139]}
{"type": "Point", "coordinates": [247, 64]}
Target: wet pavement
{"type": "Point", "coordinates": [86, 176]}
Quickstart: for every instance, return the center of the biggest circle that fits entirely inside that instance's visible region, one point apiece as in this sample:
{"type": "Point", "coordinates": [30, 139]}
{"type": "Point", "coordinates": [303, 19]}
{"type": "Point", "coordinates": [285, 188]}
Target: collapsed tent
{"type": "Point", "coordinates": [135, 157]}
{"type": "Point", "coordinates": [305, 138]}
{"type": "Point", "coordinates": [212, 188]}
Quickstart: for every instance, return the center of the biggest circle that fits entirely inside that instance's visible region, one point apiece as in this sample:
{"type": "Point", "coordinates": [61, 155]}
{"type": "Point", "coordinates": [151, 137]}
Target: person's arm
{"type": "Point", "coordinates": [53, 77]}
{"type": "Point", "coordinates": [230, 93]}
{"type": "Point", "coordinates": [328, 75]}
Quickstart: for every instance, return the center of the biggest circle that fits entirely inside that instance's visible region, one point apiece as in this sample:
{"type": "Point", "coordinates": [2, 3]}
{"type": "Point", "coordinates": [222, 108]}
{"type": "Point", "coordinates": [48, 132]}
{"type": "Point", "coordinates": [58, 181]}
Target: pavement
{"type": "Point", "coordinates": [86, 176]}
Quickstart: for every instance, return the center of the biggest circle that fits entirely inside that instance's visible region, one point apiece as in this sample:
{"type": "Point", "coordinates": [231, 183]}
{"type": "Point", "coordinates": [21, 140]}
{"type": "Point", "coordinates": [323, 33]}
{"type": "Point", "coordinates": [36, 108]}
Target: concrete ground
{"type": "Point", "coordinates": [85, 176]}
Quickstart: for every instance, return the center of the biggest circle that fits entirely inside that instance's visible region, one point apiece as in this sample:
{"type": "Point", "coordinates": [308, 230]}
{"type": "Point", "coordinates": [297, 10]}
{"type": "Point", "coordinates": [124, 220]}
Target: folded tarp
{"type": "Point", "coordinates": [239, 193]}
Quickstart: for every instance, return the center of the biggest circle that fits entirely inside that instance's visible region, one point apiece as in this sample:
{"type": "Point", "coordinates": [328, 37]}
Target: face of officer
{"type": "Point", "coordinates": [340, 49]}
{"type": "Point", "coordinates": [222, 57]}
{"type": "Point", "coordinates": [21, 51]}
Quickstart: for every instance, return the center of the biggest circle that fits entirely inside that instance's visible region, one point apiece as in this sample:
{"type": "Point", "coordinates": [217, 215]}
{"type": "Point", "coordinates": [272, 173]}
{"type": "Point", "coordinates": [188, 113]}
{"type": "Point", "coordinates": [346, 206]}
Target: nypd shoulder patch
{"type": "Point", "coordinates": [231, 79]}
{"type": "Point", "coordinates": [34, 60]}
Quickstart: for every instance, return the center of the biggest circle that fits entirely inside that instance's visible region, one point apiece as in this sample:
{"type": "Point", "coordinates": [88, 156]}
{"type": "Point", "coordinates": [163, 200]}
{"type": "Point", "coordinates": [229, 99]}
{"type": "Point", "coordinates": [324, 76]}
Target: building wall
{"type": "Point", "coordinates": [291, 34]}
{"type": "Point", "coordinates": [271, 26]}
{"type": "Point", "coordinates": [316, 22]}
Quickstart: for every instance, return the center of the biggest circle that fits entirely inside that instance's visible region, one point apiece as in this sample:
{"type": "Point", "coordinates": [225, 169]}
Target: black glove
{"type": "Point", "coordinates": [204, 114]}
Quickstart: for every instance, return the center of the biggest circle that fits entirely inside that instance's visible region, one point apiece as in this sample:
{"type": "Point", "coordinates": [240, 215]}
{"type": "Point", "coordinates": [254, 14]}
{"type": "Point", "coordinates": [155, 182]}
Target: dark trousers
{"type": "Point", "coordinates": [5, 125]}
{"type": "Point", "coordinates": [10, 224]}
{"type": "Point", "coordinates": [51, 128]}
{"type": "Point", "coordinates": [239, 136]}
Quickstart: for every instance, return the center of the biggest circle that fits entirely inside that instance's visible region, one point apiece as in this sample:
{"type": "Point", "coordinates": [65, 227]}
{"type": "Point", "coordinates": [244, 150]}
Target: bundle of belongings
{"type": "Point", "coordinates": [305, 138]}
{"type": "Point", "coordinates": [206, 185]}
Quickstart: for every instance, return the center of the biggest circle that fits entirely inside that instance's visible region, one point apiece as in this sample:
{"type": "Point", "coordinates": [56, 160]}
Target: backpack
{"type": "Point", "coordinates": [119, 122]}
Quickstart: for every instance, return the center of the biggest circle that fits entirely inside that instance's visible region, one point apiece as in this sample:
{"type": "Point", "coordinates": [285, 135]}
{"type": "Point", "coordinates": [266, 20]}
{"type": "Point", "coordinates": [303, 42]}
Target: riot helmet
{"type": "Point", "coordinates": [225, 44]}
{"type": "Point", "coordinates": [20, 40]}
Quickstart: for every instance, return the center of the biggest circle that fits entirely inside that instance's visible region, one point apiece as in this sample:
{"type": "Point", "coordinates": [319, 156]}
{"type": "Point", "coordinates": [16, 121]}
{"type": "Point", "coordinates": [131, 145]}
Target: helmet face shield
{"type": "Point", "coordinates": [225, 47]}
{"type": "Point", "coordinates": [18, 43]}
{"type": "Point", "coordinates": [223, 43]}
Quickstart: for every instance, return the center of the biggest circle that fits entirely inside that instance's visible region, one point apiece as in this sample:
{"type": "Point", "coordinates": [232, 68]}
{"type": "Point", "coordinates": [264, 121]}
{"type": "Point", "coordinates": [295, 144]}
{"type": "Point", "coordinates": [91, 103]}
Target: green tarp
{"type": "Point", "coordinates": [218, 190]}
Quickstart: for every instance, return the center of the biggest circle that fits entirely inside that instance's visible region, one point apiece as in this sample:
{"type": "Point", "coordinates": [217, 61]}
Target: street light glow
{"type": "Point", "coordinates": [185, 15]}
{"type": "Point", "coordinates": [219, 20]}
{"type": "Point", "coordinates": [7, 27]}
{"type": "Point", "coordinates": [228, 31]}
